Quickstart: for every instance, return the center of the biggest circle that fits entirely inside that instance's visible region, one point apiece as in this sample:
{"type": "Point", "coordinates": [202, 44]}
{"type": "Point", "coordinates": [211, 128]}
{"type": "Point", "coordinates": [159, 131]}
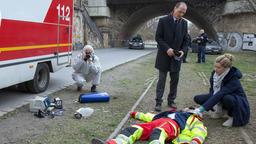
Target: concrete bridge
{"type": "Point", "coordinates": [219, 18]}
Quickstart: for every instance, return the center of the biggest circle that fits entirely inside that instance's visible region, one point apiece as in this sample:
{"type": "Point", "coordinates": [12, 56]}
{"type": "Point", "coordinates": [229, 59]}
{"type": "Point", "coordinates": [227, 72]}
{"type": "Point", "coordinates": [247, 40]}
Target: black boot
{"type": "Point", "coordinates": [172, 106]}
{"type": "Point", "coordinates": [158, 107]}
{"type": "Point", "coordinates": [94, 88]}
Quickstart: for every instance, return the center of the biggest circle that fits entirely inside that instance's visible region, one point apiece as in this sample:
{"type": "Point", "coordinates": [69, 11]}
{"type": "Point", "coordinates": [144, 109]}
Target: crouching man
{"type": "Point", "coordinates": [87, 69]}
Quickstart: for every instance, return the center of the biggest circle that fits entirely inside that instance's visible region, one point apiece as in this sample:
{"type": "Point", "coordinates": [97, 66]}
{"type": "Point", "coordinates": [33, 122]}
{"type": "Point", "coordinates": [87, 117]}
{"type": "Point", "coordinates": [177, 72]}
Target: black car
{"type": "Point", "coordinates": [136, 43]}
{"type": "Point", "coordinates": [212, 47]}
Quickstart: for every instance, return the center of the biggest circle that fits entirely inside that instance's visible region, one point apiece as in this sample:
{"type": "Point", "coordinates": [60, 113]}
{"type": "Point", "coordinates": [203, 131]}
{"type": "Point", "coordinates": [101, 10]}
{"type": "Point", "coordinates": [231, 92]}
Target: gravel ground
{"type": "Point", "coordinates": [124, 84]}
{"type": "Point", "coordinates": [191, 84]}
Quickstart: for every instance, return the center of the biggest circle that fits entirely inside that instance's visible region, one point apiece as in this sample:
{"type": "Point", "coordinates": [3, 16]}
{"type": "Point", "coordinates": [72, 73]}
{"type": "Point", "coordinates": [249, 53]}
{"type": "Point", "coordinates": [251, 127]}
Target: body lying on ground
{"type": "Point", "coordinates": [183, 127]}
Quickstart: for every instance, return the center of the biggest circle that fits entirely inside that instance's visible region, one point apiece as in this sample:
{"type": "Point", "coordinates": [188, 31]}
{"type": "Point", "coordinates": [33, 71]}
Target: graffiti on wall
{"type": "Point", "coordinates": [235, 42]}
{"type": "Point", "coordinates": [78, 32]}
{"type": "Point", "coordinates": [249, 42]}
{"type": "Point", "coordinates": [231, 41]}
{"type": "Point", "coordinates": [93, 39]}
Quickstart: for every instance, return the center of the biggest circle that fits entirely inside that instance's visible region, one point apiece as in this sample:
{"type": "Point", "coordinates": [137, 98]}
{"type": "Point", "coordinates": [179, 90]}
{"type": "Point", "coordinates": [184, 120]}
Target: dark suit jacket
{"type": "Point", "coordinates": [167, 37]}
{"type": "Point", "coordinates": [202, 39]}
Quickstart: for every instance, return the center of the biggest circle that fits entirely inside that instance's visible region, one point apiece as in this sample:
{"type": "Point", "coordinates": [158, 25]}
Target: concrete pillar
{"type": "Point", "coordinates": [103, 25]}
{"type": "Point", "coordinates": [100, 13]}
{"type": "Point", "coordinates": [98, 8]}
{"type": "Point", "coordinates": [238, 16]}
{"type": "Point", "coordinates": [106, 40]}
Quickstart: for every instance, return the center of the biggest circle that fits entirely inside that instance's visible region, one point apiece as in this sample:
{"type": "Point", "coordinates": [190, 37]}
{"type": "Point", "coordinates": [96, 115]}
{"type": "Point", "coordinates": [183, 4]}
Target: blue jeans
{"type": "Point", "coordinates": [201, 54]}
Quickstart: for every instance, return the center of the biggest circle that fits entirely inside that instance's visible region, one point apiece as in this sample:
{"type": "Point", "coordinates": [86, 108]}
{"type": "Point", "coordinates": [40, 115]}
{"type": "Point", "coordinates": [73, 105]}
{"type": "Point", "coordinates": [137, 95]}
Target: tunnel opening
{"type": "Point", "coordinates": [141, 16]}
{"type": "Point", "coordinates": [148, 29]}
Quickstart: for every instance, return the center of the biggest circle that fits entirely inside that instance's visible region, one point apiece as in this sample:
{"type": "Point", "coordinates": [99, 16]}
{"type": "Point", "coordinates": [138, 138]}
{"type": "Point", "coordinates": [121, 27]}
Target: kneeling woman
{"type": "Point", "coordinates": [226, 92]}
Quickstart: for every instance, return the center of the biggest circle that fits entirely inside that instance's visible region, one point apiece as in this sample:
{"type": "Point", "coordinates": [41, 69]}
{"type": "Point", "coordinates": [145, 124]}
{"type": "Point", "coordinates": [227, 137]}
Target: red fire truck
{"type": "Point", "coordinates": [35, 39]}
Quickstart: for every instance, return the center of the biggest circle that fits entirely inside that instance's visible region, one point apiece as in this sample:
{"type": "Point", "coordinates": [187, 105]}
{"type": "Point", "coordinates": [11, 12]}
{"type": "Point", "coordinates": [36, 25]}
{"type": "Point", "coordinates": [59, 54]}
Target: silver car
{"type": "Point", "coordinates": [212, 47]}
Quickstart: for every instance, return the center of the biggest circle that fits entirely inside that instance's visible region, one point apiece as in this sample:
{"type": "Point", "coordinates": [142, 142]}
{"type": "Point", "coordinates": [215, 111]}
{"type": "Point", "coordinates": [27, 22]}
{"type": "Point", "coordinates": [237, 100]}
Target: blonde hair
{"type": "Point", "coordinates": [225, 60]}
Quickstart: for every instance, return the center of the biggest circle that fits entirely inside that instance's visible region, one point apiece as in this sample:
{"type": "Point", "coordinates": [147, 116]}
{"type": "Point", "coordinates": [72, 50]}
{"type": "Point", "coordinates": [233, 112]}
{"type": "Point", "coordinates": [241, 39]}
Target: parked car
{"type": "Point", "coordinates": [212, 47]}
{"type": "Point", "coordinates": [136, 43]}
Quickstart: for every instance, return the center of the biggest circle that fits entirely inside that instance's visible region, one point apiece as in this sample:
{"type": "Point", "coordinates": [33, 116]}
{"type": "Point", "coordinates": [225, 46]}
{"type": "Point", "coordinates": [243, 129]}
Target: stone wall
{"type": "Point", "coordinates": [237, 32]}
{"type": "Point", "coordinates": [243, 23]}
{"type": "Point", "coordinates": [82, 33]}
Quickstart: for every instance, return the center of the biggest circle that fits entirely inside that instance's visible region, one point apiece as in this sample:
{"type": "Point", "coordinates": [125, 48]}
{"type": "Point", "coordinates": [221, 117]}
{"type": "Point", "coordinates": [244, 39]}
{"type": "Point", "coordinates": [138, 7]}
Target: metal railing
{"type": "Point", "coordinates": [94, 28]}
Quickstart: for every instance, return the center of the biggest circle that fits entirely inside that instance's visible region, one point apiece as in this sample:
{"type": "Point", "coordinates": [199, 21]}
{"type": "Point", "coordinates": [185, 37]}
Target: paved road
{"type": "Point", "coordinates": [111, 57]}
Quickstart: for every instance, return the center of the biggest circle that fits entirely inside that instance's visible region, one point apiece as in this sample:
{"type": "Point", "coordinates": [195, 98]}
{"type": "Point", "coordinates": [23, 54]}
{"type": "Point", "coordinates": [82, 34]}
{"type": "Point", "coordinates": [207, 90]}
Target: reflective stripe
{"type": "Point", "coordinates": [200, 138]}
{"type": "Point", "coordinates": [193, 119]}
{"type": "Point", "coordinates": [193, 142]}
{"type": "Point", "coordinates": [176, 131]}
{"type": "Point", "coordinates": [138, 127]}
{"type": "Point", "coordinates": [179, 140]}
{"type": "Point", "coordinates": [150, 116]}
{"type": "Point", "coordinates": [200, 128]}
{"type": "Point", "coordinates": [163, 136]}
{"type": "Point", "coordinates": [122, 139]}
{"type": "Point", "coordinates": [190, 121]}
{"type": "Point", "coordinates": [18, 48]}
{"type": "Point", "coordinates": [155, 142]}
{"type": "Point", "coordinates": [144, 117]}
{"type": "Point", "coordinates": [137, 116]}
{"type": "Point", "coordinates": [194, 129]}
{"type": "Point", "coordinates": [197, 140]}
{"type": "Point", "coordinates": [136, 135]}
{"type": "Point", "coordinates": [162, 124]}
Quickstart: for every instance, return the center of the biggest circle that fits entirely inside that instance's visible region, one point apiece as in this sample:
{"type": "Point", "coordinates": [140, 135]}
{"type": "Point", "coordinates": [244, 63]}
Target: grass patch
{"type": "Point", "coordinates": [125, 84]}
{"type": "Point", "coordinates": [245, 61]}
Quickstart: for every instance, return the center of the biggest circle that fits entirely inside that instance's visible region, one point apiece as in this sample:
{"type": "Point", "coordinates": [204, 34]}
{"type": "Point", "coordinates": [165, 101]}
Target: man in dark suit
{"type": "Point", "coordinates": [171, 36]}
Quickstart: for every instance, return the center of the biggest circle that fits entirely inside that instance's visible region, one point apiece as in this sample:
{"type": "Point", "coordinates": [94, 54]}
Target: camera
{"type": "Point", "coordinates": [87, 56]}
{"type": "Point", "coordinates": [177, 53]}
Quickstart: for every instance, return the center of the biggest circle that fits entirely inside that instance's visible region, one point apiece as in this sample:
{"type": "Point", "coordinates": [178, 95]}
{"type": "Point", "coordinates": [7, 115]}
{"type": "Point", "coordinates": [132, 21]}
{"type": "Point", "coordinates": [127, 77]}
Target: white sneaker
{"type": "Point", "coordinates": [215, 115]}
{"type": "Point", "coordinates": [228, 123]}
{"type": "Point", "coordinates": [218, 111]}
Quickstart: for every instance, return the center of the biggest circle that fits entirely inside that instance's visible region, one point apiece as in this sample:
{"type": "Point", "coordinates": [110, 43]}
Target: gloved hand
{"type": "Point", "coordinates": [133, 114]}
{"type": "Point", "coordinates": [198, 112]}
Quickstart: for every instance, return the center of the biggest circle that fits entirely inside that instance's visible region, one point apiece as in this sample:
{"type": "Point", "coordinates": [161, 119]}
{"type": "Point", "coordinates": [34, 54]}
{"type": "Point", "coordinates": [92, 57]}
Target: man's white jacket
{"type": "Point", "coordinates": [91, 66]}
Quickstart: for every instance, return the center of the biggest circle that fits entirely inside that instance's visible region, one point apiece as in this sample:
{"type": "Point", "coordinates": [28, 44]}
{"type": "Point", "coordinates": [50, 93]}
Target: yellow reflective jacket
{"type": "Point", "coordinates": [194, 132]}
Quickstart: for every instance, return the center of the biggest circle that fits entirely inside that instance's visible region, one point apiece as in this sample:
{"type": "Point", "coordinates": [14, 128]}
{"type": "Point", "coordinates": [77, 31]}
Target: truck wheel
{"type": "Point", "coordinates": [41, 79]}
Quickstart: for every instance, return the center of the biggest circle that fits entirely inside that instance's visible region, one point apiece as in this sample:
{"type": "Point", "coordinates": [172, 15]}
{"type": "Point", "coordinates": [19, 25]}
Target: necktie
{"type": "Point", "coordinates": [175, 28]}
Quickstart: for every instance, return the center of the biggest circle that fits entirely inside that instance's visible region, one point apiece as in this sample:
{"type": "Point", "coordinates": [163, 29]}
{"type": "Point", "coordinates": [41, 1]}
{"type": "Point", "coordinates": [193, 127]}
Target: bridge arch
{"type": "Point", "coordinates": [142, 15]}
